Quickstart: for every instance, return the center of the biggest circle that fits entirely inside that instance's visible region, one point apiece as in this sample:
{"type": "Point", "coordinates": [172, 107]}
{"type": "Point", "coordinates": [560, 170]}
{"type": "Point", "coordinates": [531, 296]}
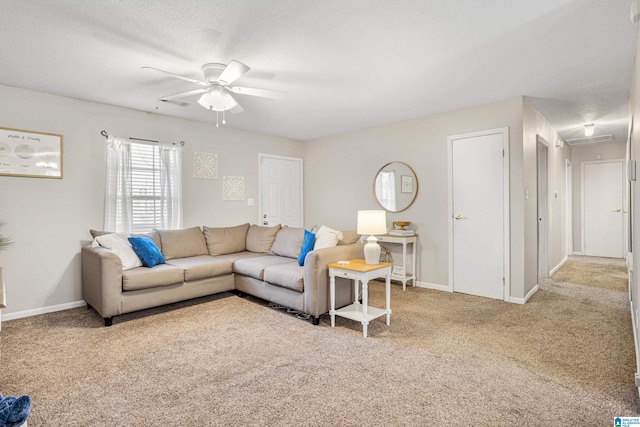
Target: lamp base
{"type": "Point", "coordinates": [372, 251]}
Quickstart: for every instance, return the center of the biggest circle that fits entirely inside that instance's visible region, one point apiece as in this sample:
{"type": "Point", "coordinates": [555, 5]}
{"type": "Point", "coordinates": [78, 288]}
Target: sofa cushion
{"type": "Point", "coordinates": [260, 239]}
{"type": "Point", "coordinates": [239, 255]}
{"type": "Point", "coordinates": [202, 267]}
{"type": "Point", "coordinates": [289, 275]}
{"type": "Point", "coordinates": [288, 242]}
{"type": "Point", "coordinates": [254, 267]}
{"type": "Point", "coordinates": [147, 251]}
{"type": "Point", "coordinates": [183, 243]}
{"type": "Point", "coordinates": [145, 278]}
{"type": "Point", "coordinates": [349, 237]}
{"type": "Point", "coordinates": [226, 240]}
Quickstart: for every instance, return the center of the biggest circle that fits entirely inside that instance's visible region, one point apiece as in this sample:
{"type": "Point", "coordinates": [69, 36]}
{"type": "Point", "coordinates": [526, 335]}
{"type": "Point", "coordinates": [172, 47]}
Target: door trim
{"type": "Point", "coordinates": [506, 289]}
{"type": "Point", "coordinates": [261, 157]}
{"type": "Point", "coordinates": [542, 206]}
{"type": "Point", "coordinates": [582, 195]}
{"type": "Point", "coordinates": [568, 194]}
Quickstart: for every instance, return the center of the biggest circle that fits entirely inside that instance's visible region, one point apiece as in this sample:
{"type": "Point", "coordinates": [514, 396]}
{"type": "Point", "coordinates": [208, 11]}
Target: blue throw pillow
{"type": "Point", "coordinates": [308, 241]}
{"type": "Point", "coordinates": [147, 251]}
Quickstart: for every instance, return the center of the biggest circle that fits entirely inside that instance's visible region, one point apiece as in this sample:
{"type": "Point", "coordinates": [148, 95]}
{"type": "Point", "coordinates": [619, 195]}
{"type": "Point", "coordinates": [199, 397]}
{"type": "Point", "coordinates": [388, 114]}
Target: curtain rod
{"type": "Point", "coordinates": [106, 135]}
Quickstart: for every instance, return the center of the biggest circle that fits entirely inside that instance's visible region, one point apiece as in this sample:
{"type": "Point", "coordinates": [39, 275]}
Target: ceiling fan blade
{"type": "Point", "coordinates": [273, 94]}
{"type": "Point", "coordinates": [178, 76]}
{"type": "Point", "coordinates": [237, 109]}
{"type": "Point", "coordinates": [232, 72]}
{"type": "Point", "coordinates": [183, 94]}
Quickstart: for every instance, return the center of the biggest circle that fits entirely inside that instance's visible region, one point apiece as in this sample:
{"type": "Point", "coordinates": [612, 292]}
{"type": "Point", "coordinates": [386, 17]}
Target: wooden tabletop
{"type": "Point", "coordinates": [360, 265]}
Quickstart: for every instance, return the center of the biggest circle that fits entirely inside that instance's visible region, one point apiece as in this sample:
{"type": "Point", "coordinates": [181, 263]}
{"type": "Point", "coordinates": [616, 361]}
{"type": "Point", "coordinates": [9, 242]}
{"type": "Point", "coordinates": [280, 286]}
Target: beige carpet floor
{"type": "Point", "coordinates": [564, 358]}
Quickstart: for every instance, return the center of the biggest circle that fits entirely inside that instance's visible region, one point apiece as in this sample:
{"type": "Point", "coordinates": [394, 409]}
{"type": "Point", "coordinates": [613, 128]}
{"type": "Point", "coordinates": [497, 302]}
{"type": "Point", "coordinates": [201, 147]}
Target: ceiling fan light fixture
{"type": "Point", "coordinates": [589, 129]}
{"type": "Point", "coordinates": [217, 99]}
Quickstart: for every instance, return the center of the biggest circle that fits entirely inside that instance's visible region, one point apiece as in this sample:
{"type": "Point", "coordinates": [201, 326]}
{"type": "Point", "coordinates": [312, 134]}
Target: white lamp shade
{"type": "Point", "coordinates": [372, 222]}
{"type": "Point", "coordinates": [217, 100]}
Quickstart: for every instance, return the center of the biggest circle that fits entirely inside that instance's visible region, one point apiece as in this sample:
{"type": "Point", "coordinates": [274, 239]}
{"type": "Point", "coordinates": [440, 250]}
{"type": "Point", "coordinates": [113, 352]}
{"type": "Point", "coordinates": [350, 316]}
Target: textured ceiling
{"type": "Point", "coordinates": [345, 65]}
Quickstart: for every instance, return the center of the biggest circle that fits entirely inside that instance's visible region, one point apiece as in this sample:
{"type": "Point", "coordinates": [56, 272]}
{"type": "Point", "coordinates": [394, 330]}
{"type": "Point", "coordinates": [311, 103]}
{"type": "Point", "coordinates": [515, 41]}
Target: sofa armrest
{"type": "Point", "coordinates": [316, 274]}
{"type": "Point", "coordinates": [101, 280]}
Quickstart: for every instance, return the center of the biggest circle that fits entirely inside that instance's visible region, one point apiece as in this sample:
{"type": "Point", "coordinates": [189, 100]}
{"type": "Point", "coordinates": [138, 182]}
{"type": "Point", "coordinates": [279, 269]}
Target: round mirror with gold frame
{"type": "Point", "coordinates": [395, 186]}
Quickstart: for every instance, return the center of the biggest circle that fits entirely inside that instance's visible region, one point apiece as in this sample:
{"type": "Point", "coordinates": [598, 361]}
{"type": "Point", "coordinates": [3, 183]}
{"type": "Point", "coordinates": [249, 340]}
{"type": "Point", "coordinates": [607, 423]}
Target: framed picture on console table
{"type": "Point", "coordinates": [30, 154]}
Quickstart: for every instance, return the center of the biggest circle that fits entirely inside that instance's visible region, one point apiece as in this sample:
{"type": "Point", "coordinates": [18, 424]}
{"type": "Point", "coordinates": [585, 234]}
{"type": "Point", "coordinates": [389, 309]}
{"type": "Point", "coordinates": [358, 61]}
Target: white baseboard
{"type": "Point", "coordinates": [577, 253]}
{"type": "Point", "coordinates": [526, 298]}
{"type": "Point", "coordinates": [42, 310]}
{"type": "Point", "coordinates": [557, 267]}
{"type": "Point", "coordinates": [435, 286]}
{"type": "Point", "coordinates": [446, 288]}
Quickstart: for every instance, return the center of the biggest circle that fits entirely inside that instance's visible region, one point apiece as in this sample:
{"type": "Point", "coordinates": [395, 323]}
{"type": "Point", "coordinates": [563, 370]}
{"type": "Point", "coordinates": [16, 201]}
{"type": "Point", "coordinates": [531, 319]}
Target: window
{"type": "Point", "coordinates": [143, 186]}
{"type": "Point", "coordinates": [146, 203]}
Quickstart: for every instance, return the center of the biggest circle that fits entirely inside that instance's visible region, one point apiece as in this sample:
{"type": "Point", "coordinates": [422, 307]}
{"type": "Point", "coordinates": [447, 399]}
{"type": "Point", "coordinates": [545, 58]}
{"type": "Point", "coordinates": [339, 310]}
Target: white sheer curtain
{"type": "Point", "coordinates": [119, 194]}
{"type": "Point", "coordinates": [171, 185]}
{"type": "Point", "coordinates": [118, 211]}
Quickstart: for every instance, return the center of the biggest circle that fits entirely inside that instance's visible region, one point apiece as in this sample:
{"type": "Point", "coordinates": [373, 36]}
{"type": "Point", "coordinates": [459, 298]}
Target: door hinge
{"type": "Point", "coordinates": [503, 152]}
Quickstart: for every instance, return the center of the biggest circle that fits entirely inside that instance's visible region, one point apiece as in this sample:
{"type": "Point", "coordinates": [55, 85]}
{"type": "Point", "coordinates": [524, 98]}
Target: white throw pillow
{"type": "Point", "coordinates": [327, 238]}
{"type": "Point", "coordinates": [119, 244]}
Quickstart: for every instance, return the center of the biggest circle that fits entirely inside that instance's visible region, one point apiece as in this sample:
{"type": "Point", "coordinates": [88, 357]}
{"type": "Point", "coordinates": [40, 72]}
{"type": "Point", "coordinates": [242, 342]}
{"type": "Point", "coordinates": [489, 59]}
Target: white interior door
{"type": "Point", "coordinates": [479, 213]}
{"type": "Point", "coordinates": [603, 203]}
{"type": "Point", "coordinates": [280, 191]}
{"type": "Point", "coordinates": [542, 158]}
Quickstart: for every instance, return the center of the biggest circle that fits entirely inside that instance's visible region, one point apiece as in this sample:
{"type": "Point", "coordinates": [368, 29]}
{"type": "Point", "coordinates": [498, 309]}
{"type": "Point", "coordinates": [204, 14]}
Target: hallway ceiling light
{"type": "Point", "coordinates": [589, 129]}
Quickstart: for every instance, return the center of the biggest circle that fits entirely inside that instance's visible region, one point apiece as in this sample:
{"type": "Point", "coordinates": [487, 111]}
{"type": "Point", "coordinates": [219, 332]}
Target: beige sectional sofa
{"type": "Point", "coordinates": [256, 260]}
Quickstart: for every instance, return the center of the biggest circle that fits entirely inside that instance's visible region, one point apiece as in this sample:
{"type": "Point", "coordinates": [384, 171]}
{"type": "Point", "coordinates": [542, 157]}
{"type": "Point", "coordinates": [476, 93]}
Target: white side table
{"type": "Point", "coordinates": [404, 241]}
{"type": "Point", "coordinates": [358, 271]}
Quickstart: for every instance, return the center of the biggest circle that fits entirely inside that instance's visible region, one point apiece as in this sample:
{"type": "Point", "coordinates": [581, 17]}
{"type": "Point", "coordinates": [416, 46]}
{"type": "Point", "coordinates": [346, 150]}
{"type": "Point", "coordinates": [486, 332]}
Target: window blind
{"type": "Point", "coordinates": [146, 194]}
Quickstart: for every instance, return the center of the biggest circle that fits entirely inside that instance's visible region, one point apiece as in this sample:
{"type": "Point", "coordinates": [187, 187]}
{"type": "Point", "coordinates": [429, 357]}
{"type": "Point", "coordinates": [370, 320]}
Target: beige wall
{"type": "Point", "coordinates": [339, 174]}
{"type": "Point", "coordinates": [579, 155]}
{"type": "Point", "coordinates": [48, 218]}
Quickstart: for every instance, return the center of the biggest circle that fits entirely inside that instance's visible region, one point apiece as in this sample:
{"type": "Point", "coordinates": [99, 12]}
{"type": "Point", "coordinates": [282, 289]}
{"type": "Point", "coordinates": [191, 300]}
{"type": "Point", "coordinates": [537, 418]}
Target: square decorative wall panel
{"type": "Point", "coordinates": [233, 188]}
{"type": "Point", "coordinates": [205, 165]}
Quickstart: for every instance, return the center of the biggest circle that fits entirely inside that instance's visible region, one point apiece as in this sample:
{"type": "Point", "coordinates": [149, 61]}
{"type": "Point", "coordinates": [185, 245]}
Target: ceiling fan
{"type": "Point", "coordinates": [216, 87]}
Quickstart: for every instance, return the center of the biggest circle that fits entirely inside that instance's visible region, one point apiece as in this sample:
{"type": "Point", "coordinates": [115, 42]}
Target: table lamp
{"type": "Point", "coordinates": [372, 222]}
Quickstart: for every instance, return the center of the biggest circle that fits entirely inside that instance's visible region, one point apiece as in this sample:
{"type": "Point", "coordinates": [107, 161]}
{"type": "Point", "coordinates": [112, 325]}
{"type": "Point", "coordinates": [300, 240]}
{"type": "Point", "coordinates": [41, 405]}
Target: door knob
{"type": "Point", "coordinates": [616, 210]}
{"type": "Point", "coordinates": [458, 216]}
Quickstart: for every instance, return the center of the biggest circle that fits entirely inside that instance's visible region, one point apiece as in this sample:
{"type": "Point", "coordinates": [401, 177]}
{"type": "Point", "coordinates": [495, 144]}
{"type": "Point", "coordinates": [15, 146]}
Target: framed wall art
{"type": "Point", "coordinates": [233, 188]}
{"type": "Point", "coordinates": [205, 165]}
{"type": "Point", "coordinates": [30, 154]}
